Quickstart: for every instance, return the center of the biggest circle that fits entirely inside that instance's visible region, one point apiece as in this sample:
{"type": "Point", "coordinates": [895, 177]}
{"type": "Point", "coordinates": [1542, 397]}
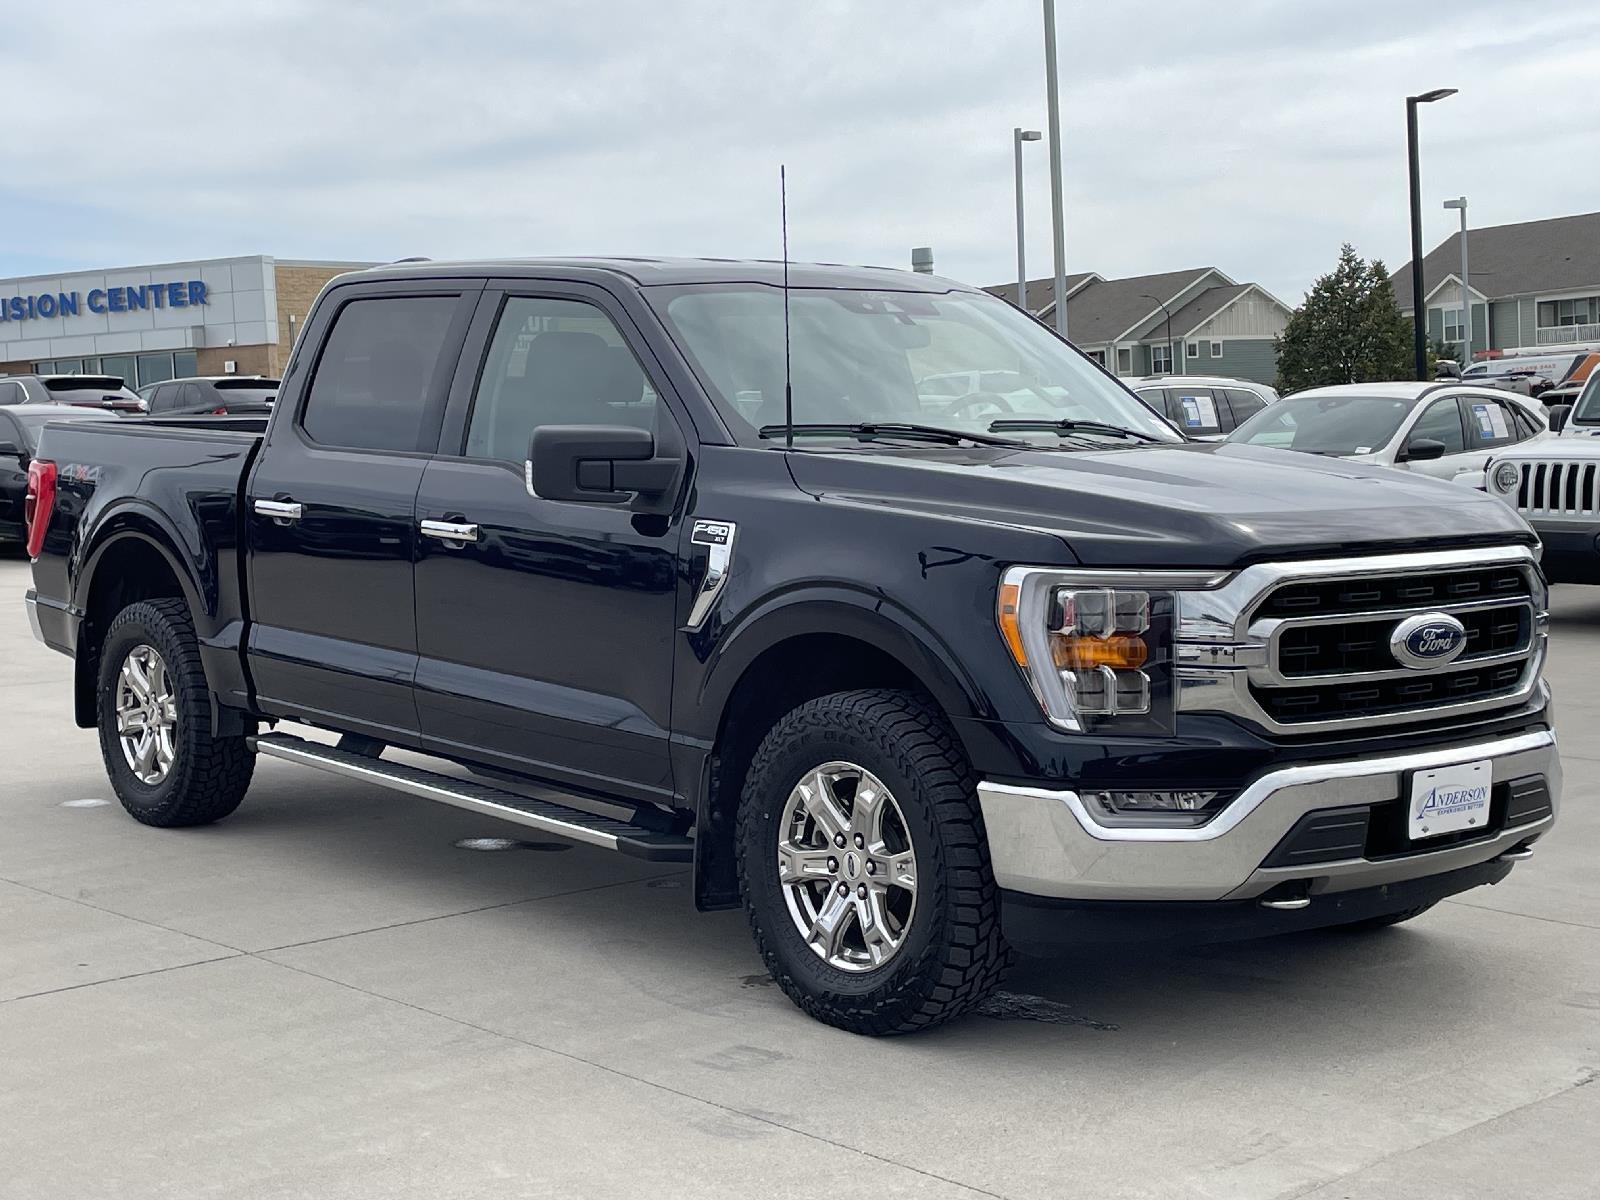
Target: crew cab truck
{"type": "Point", "coordinates": [680, 547]}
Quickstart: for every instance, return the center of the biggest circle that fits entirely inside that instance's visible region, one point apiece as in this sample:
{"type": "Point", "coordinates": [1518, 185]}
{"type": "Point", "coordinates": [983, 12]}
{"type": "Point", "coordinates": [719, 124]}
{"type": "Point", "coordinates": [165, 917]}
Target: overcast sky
{"type": "Point", "coordinates": [1252, 136]}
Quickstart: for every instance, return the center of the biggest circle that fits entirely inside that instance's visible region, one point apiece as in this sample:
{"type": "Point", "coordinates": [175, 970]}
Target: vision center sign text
{"type": "Point", "coordinates": [187, 293]}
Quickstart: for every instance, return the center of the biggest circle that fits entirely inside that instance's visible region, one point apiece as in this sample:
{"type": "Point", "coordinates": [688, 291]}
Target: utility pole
{"type": "Point", "coordinates": [1053, 95]}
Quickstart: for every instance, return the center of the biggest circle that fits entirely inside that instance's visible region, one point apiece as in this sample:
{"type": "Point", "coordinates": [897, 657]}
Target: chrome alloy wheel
{"type": "Point", "coordinates": [846, 866]}
{"type": "Point", "coordinates": [147, 715]}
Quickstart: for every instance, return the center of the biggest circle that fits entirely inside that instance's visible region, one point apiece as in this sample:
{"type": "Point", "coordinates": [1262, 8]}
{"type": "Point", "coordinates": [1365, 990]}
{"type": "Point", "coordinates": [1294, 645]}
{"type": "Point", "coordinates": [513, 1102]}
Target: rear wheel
{"type": "Point", "coordinates": [165, 764]}
{"type": "Point", "coordinates": [863, 865]}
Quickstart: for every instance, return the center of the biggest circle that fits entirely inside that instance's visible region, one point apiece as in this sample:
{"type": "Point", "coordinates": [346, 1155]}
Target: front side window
{"type": "Point", "coordinates": [1587, 410]}
{"type": "Point", "coordinates": [880, 356]}
{"type": "Point", "coordinates": [373, 380]}
{"type": "Point", "coordinates": [1441, 423]}
{"type": "Point", "coordinates": [554, 362]}
{"type": "Point", "coordinates": [11, 393]}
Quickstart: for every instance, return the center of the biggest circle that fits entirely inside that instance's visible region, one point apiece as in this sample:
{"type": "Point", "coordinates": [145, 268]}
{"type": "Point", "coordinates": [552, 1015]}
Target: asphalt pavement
{"type": "Point", "coordinates": [325, 996]}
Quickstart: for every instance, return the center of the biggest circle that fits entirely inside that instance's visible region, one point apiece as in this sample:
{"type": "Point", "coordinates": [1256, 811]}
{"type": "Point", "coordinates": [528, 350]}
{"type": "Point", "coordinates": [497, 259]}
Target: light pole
{"type": "Point", "coordinates": [1419, 318]}
{"type": "Point", "coordinates": [1018, 136]}
{"type": "Point", "coordinates": [1058, 222]}
{"type": "Point", "coordinates": [1172, 358]}
{"type": "Point", "coordinates": [1466, 289]}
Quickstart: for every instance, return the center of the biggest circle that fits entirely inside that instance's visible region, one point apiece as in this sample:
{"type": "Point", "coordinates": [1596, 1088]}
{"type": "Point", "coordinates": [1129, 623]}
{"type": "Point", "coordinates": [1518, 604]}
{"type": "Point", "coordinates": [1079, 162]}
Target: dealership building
{"type": "Point", "coordinates": [219, 316]}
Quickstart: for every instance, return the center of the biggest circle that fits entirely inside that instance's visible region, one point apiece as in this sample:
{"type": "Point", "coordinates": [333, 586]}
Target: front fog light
{"type": "Point", "coordinates": [1190, 808]}
{"type": "Point", "coordinates": [1127, 802]}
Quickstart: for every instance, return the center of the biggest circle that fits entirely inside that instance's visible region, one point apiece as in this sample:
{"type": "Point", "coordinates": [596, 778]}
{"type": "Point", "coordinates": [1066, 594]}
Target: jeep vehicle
{"type": "Point", "coordinates": [676, 559]}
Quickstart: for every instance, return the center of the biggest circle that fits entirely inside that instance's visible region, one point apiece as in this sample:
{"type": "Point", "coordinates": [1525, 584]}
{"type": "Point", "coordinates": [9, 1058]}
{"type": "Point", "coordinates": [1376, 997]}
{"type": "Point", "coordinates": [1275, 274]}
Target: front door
{"type": "Point", "coordinates": [545, 628]}
{"type": "Point", "coordinates": [1441, 421]}
{"type": "Point", "coordinates": [331, 509]}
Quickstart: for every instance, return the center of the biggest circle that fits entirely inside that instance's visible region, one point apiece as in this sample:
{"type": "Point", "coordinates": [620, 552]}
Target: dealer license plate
{"type": "Point", "coordinates": [1449, 799]}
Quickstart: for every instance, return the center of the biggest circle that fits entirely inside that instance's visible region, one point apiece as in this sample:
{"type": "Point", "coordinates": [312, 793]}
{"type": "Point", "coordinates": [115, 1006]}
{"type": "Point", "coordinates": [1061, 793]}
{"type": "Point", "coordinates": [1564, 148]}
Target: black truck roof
{"type": "Point", "coordinates": [659, 272]}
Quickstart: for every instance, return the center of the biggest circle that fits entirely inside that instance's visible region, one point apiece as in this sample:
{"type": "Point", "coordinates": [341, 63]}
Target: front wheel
{"type": "Point", "coordinates": [864, 867]}
{"type": "Point", "coordinates": [166, 765]}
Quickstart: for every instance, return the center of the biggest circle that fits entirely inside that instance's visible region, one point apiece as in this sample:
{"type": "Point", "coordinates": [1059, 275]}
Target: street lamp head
{"type": "Point", "coordinates": [1028, 135]}
{"type": "Point", "coordinates": [1436, 94]}
{"type": "Point", "coordinates": [1461, 204]}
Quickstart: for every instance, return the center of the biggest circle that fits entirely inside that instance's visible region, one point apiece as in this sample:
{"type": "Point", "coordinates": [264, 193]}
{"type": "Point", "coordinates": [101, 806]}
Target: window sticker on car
{"type": "Point", "coordinates": [1199, 412]}
{"type": "Point", "coordinates": [1491, 420]}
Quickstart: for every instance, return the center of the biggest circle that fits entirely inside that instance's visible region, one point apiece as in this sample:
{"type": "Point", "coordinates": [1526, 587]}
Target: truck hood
{"type": "Point", "coordinates": [1208, 505]}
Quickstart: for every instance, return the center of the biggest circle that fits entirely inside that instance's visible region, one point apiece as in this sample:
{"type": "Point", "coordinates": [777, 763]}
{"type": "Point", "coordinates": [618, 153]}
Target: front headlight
{"type": "Point", "coordinates": [1505, 477]}
{"type": "Point", "coordinates": [1095, 645]}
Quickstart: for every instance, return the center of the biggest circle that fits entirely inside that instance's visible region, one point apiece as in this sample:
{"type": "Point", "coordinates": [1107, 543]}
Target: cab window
{"type": "Point", "coordinates": [554, 362]}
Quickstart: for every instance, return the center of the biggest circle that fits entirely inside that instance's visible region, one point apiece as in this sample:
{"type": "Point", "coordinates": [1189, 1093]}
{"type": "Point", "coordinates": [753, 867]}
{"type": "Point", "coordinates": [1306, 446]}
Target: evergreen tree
{"type": "Point", "coordinates": [1349, 330]}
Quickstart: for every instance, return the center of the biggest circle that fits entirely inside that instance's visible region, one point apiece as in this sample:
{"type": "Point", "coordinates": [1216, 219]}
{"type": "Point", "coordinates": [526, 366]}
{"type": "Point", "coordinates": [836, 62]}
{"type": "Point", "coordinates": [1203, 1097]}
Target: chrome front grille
{"type": "Point", "coordinates": [1306, 647]}
{"type": "Point", "coordinates": [1558, 489]}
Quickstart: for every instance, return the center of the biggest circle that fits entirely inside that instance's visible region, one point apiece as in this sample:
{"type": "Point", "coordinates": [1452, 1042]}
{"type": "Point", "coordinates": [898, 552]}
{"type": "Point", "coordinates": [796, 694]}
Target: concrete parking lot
{"type": "Point", "coordinates": [324, 996]}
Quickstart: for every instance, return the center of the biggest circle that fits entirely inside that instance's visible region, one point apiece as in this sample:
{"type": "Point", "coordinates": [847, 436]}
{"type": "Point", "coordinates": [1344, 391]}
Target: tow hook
{"type": "Point", "coordinates": [1517, 853]}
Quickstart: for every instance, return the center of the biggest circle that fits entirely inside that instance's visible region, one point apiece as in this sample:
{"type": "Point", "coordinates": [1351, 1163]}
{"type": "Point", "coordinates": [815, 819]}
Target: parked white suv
{"type": "Point", "coordinates": [1206, 407]}
{"type": "Point", "coordinates": [1444, 429]}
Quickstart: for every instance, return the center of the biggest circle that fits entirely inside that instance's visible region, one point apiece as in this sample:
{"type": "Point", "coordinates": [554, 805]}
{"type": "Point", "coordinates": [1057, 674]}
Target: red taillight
{"type": "Point", "coordinates": [40, 503]}
{"type": "Point", "coordinates": [219, 412]}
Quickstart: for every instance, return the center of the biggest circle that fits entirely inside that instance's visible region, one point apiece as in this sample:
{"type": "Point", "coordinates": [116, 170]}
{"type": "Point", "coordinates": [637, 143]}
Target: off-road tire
{"type": "Point", "coordinates": [209, 774]}
{"type": "Point", "coordinates": [1385, 921]}
{"type": "Point", "coordinates": [954, 954]}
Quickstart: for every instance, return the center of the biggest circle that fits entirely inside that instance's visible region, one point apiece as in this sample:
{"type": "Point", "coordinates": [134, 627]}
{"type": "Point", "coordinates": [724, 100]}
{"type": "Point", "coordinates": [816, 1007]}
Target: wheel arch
{"type": "Point", "coordinates": [132, 556]}
{"type": "Point", "coordinates": [782, 653]}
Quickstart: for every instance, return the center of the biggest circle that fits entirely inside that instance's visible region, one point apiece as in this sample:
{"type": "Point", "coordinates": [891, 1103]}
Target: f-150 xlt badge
{"type": "Point", "coordinates": [717, 537]}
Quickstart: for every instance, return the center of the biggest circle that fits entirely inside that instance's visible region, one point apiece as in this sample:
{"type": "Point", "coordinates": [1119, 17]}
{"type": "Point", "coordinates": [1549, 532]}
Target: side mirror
{"type": "Point", "coordinates": [597, 464]}
{"type": "Point", "coordinates": [1423, 450]}
{"type": "Point", "coordinates": [1560, 414]}
{"type": "Point", "coordinates": [12, 450]}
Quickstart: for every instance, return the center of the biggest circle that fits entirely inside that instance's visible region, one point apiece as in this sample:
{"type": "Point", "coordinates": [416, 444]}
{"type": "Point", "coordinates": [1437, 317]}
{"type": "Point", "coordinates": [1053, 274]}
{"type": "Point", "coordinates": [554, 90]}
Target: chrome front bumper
{"type": "Point", "coordinates": [1048, 843]}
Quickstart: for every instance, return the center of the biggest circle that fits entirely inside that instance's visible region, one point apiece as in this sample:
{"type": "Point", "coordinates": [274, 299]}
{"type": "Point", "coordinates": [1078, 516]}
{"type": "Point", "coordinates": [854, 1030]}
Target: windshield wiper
{"type": "Point", "coordinates": [1068, 425]}
{"type": "Point", "coordinates": [871, 430]}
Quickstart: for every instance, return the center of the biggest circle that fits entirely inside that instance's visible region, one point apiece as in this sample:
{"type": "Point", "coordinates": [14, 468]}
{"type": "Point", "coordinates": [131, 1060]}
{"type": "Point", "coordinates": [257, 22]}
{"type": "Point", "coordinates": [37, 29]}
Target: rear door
{"type": "Point", "coordinates": [546, 632]}
{"type": "Point", "coordinates": [331, 506]}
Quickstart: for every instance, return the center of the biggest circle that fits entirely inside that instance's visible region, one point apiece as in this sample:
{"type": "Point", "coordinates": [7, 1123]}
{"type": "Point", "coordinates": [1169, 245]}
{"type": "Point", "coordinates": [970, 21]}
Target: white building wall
{"type": "Point", "coordinates": [241, 307]}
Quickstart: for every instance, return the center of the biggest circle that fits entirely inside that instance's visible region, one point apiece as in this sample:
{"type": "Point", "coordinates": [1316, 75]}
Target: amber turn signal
{"type": "Point", "coordinates": [1087, 653]}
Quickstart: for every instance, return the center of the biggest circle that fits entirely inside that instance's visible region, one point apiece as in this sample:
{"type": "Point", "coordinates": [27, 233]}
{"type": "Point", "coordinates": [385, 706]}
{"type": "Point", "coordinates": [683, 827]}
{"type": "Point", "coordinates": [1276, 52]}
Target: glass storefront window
{"type": "Point", "coordinates": [153, 368]}
{"type": "Point", "coordinates": [120, 365]}
{"type": "Point", "coordinates": [185, 363]}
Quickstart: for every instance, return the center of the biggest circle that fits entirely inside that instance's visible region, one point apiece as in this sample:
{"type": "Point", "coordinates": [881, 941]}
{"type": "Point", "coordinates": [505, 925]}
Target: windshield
{"type": "Point", "coordinates": [958, 361]}
{"type": "Point", "coordinates": [1336, 425]}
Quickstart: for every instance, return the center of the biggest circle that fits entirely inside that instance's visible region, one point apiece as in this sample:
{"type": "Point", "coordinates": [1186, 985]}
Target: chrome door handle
{"type": "Point", "coordinates": [282, 511]}
{"type": "Point", "coordinates": [449, 531]}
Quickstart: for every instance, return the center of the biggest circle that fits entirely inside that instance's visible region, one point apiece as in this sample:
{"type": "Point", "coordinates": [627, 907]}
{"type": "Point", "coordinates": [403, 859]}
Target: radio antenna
{"type": "Point", "coordinates": [788, 381]}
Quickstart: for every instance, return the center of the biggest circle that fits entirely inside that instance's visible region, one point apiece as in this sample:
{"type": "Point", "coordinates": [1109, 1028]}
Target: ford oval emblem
{"type": "Point", "coordinates": [1428, 641]}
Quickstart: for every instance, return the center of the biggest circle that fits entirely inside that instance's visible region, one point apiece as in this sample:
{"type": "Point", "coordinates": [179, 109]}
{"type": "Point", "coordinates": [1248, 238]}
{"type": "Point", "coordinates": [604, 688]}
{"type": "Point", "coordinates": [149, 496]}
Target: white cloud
{"type": "Point", "coordinates": [1253, 136]}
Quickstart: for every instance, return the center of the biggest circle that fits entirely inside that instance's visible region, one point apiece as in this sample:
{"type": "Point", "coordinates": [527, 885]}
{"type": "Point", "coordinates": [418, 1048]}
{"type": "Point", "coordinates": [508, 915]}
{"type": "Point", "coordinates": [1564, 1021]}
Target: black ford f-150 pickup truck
{"type": "Point", "coordinates": [914, 678]}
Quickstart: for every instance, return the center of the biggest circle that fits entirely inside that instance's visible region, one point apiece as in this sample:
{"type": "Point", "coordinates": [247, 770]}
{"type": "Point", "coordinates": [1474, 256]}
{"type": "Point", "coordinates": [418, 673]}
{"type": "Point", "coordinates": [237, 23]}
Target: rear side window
{"type": "Point", "coordinates": [1195, 410]}
{"type": "Point", "coordinates": [1244, 404]}
{"type": "Point", "coordinates": [1491, 423]}
{"type": "Point", "coordinates": [371, 388]}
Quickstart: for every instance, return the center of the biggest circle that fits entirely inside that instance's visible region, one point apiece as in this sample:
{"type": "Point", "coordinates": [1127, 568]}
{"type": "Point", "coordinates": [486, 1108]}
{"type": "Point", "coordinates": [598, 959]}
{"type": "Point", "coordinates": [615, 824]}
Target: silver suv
{"type": "Point", "coordinates": [1206, 407]}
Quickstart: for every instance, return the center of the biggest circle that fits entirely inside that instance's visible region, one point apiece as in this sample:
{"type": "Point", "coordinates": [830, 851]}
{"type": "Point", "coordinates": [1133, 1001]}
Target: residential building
{"type": "Point", "coordinates": [145, 324]}
{"type": "Point", "coordinates": [1217, 326]}
{"type": "Point", "coordinates": [1536, 283]}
